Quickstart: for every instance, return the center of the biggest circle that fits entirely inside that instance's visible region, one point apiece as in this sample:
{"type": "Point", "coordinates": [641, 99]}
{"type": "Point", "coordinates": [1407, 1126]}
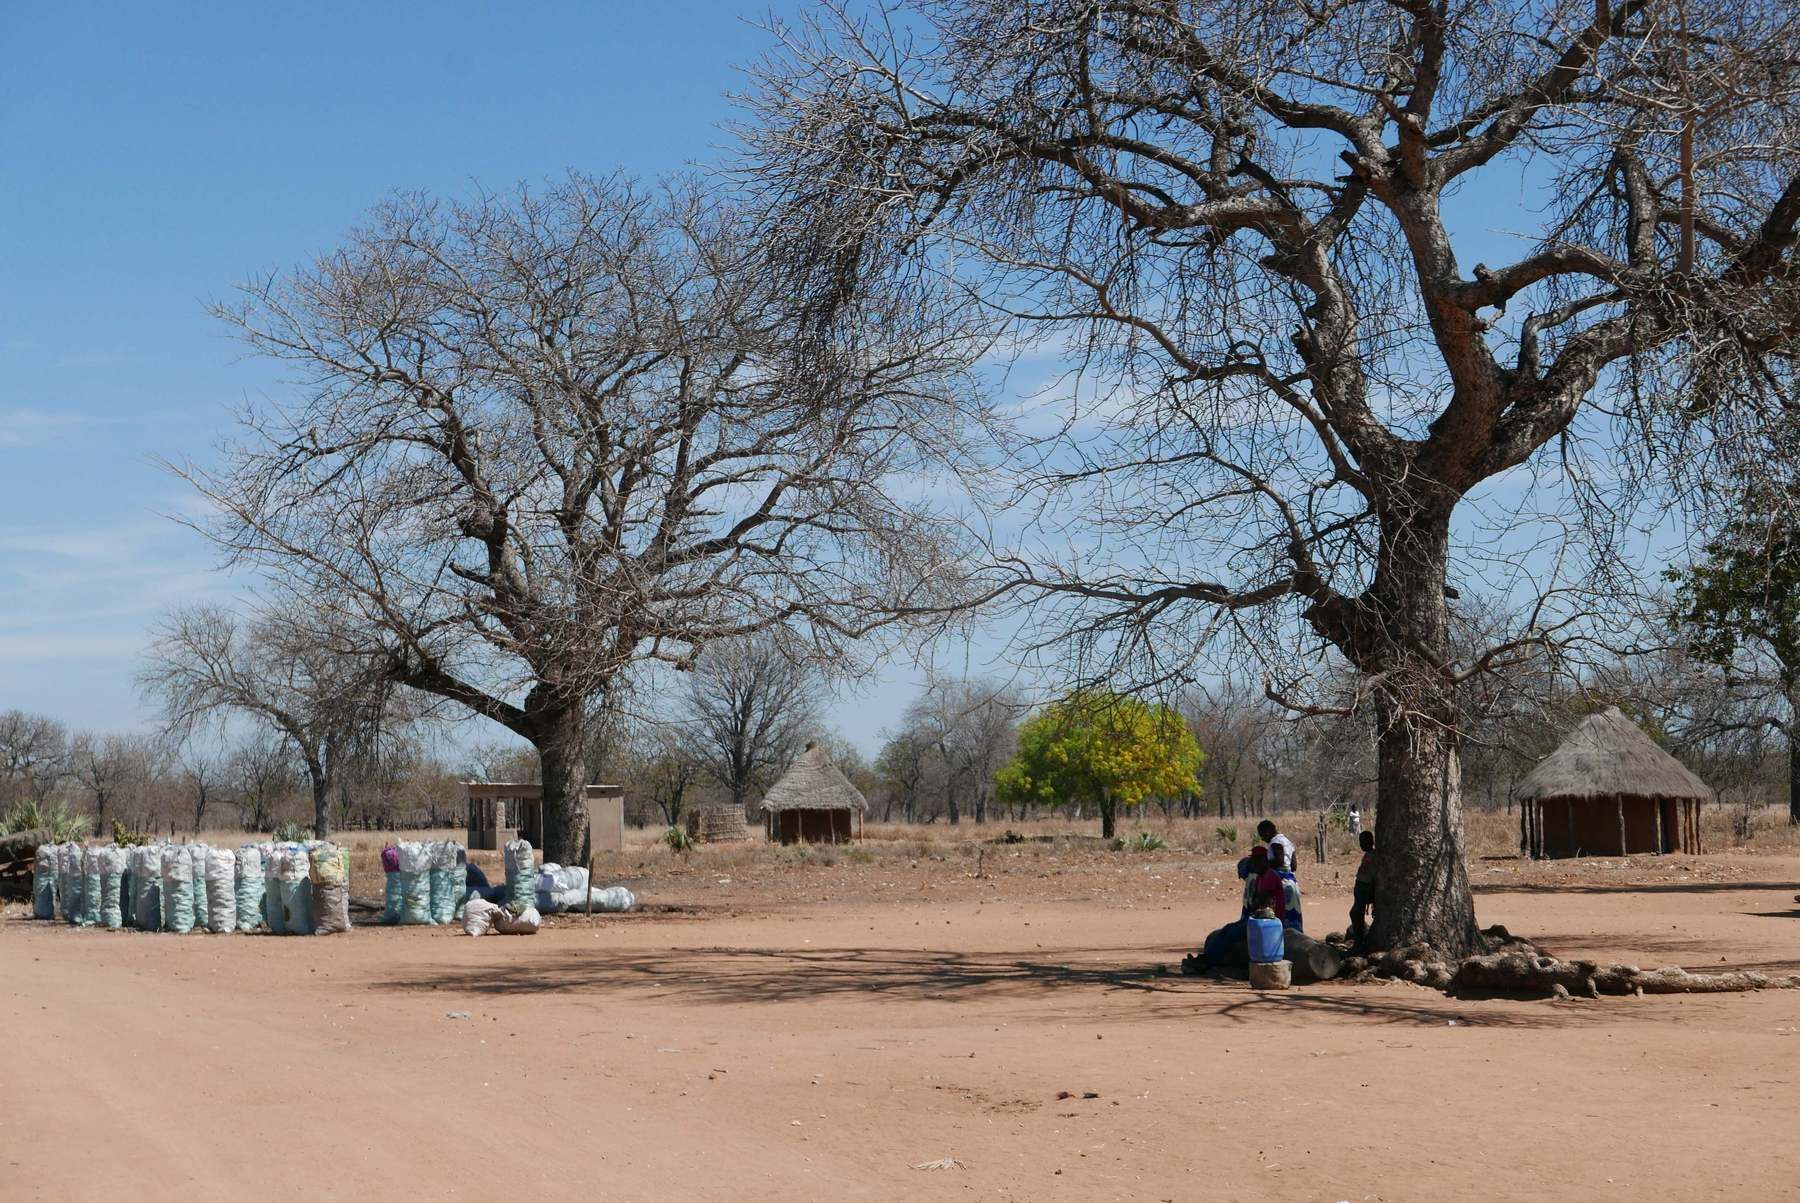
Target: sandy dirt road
{"type": "Point", "coordinates": [822, 1050]}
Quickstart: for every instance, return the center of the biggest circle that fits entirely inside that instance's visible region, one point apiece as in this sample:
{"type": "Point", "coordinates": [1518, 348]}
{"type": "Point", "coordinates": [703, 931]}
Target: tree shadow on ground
{"type": "Point", "coordinates": [1150, 988]}
{"type": "Point", "coordinates": [1654, 887]}
{"type": "Point", "coordinates": [1352, 1003]}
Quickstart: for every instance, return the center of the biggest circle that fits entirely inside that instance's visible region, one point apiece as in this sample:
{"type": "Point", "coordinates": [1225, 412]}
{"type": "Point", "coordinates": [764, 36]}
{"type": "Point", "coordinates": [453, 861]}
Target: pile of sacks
{"type": "Point", "coordinates": [290, 888]}
{"type": "Point", "coordinates": [519, 915]}
{"type": "Point", "coordinates": [427, 882]}
{"type": "Point", "coordinates": [561, 888]}
{"type": "Point", "coordinates": [532, 892]}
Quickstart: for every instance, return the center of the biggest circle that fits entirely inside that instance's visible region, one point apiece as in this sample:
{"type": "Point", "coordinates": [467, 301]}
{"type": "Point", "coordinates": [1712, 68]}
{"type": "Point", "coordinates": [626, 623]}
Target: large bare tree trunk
{"type": "Point", "coordinates": [318, 775]}
{"type": "Point", "coordinates": [1422, 890]}
{"type": "Point", "coordinates": [561, 746]}
{"type": "Point", "coordinates": [1793, 776]}
{"type": "Point", "coordinates": [321, 792]}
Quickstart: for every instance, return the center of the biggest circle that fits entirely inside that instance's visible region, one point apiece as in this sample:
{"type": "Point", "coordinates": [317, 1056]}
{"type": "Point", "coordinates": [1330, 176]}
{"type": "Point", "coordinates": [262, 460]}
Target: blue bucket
{"type": "Point", "coordinates": [1264, 936]}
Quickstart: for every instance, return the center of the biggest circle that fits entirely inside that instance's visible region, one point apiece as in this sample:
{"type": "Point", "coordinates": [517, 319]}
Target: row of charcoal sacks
{"type": "Point", "coordinates": [78, 884]}
{"type": "Point", "coordinates": [427, 882]}
{"type": "Point", "coordinates": [296, 889]}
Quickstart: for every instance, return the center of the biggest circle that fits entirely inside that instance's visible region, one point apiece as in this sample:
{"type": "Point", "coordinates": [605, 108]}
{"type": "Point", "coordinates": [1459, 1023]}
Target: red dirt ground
{"type": "Point", "coordinates": [803, 1030]}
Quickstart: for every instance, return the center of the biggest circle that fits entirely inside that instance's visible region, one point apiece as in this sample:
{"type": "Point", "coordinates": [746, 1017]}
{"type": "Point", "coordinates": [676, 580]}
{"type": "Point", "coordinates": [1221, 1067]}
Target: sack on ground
{"type": "Point", "coordinates": [177, 889]}
{"type": "Point", "coordinates": [248, 887]}
{"type": "Point", "coordinates": [478, 917]}
{"type": "Point", "coordinates": [290, 890]}
{"type": "Point", "coordinates": [112, 880]}
{"type": "Point", "coordinates": [331, 909]}
{"type": "Point", "coordinates": [390, 901]}
{"type": "Point", "coordinates": [330, 865]}
{"type": "Point", "coordinates": [146, 886]}
{"type": "Point", "coordinates": [197, 865]}
{"type": "Point", "coordinates": [43, 882]}
{"type": "Point", "coordinates": [447, 886]}
{"type": "Point", "coordinates": [221, 890]}
{"type": "Point", "coordinates": [415, 883]}
{"type": "Point", "coordinates": [525, 923]}
{"type": "Point", "coordinates": [611, 900]}
{"type": "Point", "coordinates": [521, 874]}
{"type": "Point", "coordinates": [89, 914]}
{"type": "Point", "coordinates": [68, 882]}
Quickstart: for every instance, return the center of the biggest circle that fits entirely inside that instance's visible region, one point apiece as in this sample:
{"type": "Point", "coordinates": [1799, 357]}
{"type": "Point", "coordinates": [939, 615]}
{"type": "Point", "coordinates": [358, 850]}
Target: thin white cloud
{"type": "Point", "coordinates": [39, 646]}
{"type": "Point", "coordinates": [25, 427]}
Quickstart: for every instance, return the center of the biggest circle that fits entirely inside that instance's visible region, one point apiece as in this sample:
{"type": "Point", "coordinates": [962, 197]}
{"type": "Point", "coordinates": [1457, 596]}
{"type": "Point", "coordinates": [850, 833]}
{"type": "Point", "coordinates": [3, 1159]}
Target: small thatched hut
{"type": "Point", "coordinates": [813, 802]}
{"type": "Point", "coordinates": [1608, 790]}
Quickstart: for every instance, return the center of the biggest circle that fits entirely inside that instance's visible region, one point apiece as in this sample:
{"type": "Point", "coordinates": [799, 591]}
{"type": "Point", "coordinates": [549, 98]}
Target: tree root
{"type": "Point", "coordinates": [1515, 966]}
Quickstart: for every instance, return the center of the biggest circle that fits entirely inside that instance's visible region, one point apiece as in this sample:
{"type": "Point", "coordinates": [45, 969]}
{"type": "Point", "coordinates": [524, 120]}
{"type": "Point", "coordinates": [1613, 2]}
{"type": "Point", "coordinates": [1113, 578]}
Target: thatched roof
{"type": "Point", "coordinates": [1607, 756]}
{"type": "Point", "coordinates": [812, 782]}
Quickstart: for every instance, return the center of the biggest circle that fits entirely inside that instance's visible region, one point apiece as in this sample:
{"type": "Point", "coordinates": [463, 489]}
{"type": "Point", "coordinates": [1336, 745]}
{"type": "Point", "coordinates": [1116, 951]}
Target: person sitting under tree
{"type": "Point", "coordinates": [1269, 834]}
{"type": "Point", "coordinates": [1363, 893]}
{"type": "Point", "coordinates": [1290, 888]}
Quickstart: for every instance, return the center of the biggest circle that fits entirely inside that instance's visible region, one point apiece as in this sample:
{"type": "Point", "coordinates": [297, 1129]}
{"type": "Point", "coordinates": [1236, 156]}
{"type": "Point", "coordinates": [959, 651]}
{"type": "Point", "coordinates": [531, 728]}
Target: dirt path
{"type": "Point", "coordinates": [822, 1051]}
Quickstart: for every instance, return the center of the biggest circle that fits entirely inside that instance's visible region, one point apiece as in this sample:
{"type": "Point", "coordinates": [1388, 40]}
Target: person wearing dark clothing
{"type": "Point", "coordinates": [1363, 893]}
{"type": "Point", "coordinates": [478, 883]}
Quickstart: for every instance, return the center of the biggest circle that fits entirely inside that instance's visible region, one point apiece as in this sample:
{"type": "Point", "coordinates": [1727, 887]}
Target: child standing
{"type": "Point", "coordinates": [1363, 894]}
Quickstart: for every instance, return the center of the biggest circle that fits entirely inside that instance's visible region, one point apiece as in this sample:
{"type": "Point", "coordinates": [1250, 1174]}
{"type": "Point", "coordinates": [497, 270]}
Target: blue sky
{"type": "Point", "coordinates": [152, 155]}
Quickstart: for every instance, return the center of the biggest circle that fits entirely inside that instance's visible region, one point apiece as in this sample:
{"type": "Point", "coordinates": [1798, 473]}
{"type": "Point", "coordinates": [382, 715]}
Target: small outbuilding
{"type": "Point", "coordinates": [503, 811]}
{"type": "Point", "coordinates": [813, 803]}
{"type": "Point", "coordinates": [1609, 790]}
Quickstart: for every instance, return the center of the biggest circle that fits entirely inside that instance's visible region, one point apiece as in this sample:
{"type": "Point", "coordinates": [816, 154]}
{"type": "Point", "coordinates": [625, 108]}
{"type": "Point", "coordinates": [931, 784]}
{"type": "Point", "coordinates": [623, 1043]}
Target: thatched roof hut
{"type": "Point", "coordinates": [1609, 790]}
{"type": "Point", "coordinates": [813, 802]}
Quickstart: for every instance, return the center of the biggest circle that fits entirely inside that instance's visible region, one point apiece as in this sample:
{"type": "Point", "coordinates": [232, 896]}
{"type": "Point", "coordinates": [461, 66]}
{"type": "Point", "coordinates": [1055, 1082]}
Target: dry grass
{"type": "Point", "coordinates": [1058, 840]}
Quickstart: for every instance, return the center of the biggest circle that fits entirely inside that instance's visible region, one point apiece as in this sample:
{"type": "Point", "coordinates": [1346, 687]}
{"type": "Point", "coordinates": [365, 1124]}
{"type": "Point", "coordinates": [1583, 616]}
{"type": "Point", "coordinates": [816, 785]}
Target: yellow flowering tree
{"type": "Point", "coordinates": [1112, 749]}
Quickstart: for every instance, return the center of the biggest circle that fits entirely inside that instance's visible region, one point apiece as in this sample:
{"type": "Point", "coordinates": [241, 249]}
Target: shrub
{"type": "Point", "coordinates": [1227, 835]}
{"type": "Point", "coordinates": [63, 824]}
{"type": "Point", "coordinates": [128, 839]}
{"type": "Point", "coordinates": [291, 832]}
{"type": "Point", "coordinates": [1143, 841]}
{"type": "Point", "coordinates": [678, 840]}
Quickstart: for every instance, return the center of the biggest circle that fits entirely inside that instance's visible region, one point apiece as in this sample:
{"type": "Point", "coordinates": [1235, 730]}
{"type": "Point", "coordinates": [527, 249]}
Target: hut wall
{"type": "Point", "coordinates": [1591, 827]}
{"type": "Point", "coordinates": [812, 826]}
{"type": "Point", "coordinates": [1640, 825]}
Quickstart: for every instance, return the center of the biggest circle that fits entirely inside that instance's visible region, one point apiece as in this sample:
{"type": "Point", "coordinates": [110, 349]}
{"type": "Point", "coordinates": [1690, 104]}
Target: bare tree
{"type": "Point", "coordinates": [112, 767]}
{"type": "Point", "coordinates": [540, 437]}
{"type": "Point", "coordinates": [973, 727]}
{"type": "Point", "coordinates": [261, 770]}
{"type": "Point", "coordinates": [1235, 730]}
{"type": "Point", "coordinates": [665, 769]}
{"type": "Point", "coordinates": [34, 754]}
{"type": "Point", "coordinates": [502, 762]}
{"type": "Point", "coordinates": [1237, 219]}
{"type": "Point", "coordinates": [202, 776]}
{"type": "Point", "coordinates": [749, 706]}
{"type": "Point", "coordinates": [291, 670]}
{"type": "Point", "coordinates": [904, 766]}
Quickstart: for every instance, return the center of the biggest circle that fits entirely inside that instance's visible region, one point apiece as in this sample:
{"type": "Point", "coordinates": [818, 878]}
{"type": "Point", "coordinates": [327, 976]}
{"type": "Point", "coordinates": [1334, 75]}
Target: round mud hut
{"type": "Point", "coordinates": [813, 803]}
{"type": "Point", "coordinates": [1609, 790]}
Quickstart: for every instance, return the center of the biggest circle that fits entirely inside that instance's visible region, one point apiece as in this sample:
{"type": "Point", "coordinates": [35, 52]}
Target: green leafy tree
{"type": "Point", "coordinates": [1092, 745]}
{"type": "Point", "coordinates": [1739, 604]}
